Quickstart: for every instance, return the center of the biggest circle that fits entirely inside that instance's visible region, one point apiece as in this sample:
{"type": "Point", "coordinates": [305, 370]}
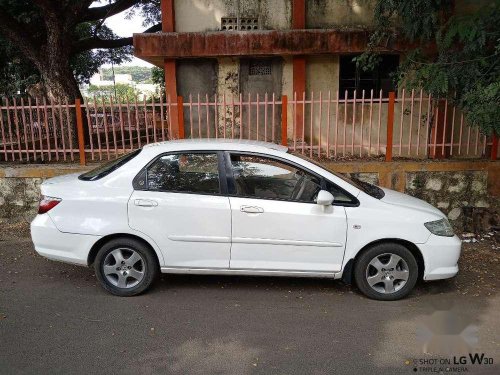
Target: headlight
{"type": "Point", "coordinates": [440, 228]}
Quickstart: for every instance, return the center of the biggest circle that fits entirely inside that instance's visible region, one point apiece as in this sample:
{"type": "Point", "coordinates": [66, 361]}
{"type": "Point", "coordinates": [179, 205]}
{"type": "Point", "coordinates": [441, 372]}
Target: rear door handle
{"type": "Point", "coordinates": [252, 209]}
{"type": "Point", "coordinates": [145, 203]}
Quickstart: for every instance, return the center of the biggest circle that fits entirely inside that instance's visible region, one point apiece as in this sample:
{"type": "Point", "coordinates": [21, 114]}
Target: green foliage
{"type": "Point", "coordinates": [140, 74]}
{"type": "Point", "coordinates": [16, 74]}
{"type": "Point", "coordinates": [87, 63]}
{"type": "Point", "coordinates": [158, 77]}
{"type": "Point", "coordinates": [123, 92]}
{"type": "Point", "coordinates": [25, 45]}
{"type": "Point", "coordinates": [457, 55]}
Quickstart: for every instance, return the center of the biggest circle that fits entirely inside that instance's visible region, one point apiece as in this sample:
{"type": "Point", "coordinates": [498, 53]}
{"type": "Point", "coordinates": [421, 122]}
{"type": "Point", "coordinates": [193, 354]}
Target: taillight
{"type": "Point", "coordinates": [47, 203]}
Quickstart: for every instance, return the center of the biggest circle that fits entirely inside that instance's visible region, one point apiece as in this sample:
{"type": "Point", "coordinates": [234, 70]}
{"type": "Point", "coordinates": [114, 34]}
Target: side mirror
{"type": "Point", "coordinates": [325, 198]}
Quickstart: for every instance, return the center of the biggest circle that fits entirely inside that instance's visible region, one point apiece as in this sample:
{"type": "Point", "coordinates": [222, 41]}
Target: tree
{"type": "Point", "coordinates": [456, 53]}
{"type": "Point", "coordinates": [66, 41]}
{"type": "Point", "coordinates": [158, 77]}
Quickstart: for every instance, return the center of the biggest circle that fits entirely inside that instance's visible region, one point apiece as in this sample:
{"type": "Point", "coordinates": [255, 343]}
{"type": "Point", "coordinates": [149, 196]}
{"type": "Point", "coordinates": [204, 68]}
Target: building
{"type": "Point", "coordinates": [143, 90]}
{"type": "Point", "coordinates": [285, 47]}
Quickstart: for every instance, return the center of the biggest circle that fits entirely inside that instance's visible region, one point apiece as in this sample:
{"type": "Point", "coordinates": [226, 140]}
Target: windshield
{"type": "Point", "coordinates": [109, 167]}
{"type": "Point", "coordinates": [365, 187]}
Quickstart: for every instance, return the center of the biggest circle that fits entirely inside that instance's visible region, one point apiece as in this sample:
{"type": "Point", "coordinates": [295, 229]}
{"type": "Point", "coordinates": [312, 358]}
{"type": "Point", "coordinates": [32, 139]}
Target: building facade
{"type": "Point", "coordinates": [280, 47]}
{"type": "Point", "coordinates": [263, 46]}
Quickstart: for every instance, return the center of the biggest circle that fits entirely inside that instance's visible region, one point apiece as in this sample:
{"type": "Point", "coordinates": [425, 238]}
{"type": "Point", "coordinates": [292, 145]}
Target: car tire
{"type": "Point", "coordinates": [385, 265]}
{"type": "Point", "coordinates": [126, 267]}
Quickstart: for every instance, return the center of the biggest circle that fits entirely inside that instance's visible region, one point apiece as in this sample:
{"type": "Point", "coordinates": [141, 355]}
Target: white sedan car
{"type": "Point", "coordinates": [240, 208]}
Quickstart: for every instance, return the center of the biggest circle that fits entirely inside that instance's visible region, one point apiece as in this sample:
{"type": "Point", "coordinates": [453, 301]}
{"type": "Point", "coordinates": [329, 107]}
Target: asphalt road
{"type": "Point", "coordinates": [55, 319]}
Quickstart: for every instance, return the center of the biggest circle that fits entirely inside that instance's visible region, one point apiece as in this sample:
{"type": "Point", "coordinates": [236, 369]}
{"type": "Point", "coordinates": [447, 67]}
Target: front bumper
{"type": "Point", "coordinates": [441, 256]}
{"type": "Point", "coordinates": [51, 243]}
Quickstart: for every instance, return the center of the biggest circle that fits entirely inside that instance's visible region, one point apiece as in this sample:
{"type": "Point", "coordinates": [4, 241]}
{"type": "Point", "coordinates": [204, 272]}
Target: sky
{"type": "Point", "coordinates": [124, 28]}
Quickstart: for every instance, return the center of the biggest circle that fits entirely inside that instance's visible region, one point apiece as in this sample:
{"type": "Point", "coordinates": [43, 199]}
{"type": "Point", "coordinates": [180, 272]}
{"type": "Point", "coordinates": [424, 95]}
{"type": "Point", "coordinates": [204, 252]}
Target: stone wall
{"type": "Point", "coordinates": [20, 188]}
{"type": "Point", "coordinates": [467, 192]}
{"type": "Point", "coordinates": [461, 195]}
{"type": "Point", "coordinates": [19, 198]}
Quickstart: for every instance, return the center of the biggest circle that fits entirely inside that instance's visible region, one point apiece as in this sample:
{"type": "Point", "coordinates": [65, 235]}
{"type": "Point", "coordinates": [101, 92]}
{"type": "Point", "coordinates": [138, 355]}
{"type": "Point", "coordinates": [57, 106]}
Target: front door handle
{"type": "Point", "coordinates": [252, 209]}
{"type": "Point", "coordinates": [145, 203]}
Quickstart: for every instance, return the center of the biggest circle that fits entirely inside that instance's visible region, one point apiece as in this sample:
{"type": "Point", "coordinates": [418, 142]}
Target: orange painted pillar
{"type": "Point", "coordinates": [390, 126]}
{"type": "Point", "coordinates": [169, 66]}
{"type": "Point", "coordinates": [299, 64]}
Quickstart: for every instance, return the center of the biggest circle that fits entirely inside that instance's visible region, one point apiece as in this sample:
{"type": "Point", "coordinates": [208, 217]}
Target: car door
{"type": "Point", "coordinates": [179, 202]}
{"type": "Point", "coordinates": [276, 224]}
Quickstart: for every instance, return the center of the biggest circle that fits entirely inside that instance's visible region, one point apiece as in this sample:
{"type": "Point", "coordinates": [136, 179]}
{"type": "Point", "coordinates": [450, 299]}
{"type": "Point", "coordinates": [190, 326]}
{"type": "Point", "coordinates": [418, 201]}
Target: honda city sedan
{"type": "Point", "coordinates": [239, 208]}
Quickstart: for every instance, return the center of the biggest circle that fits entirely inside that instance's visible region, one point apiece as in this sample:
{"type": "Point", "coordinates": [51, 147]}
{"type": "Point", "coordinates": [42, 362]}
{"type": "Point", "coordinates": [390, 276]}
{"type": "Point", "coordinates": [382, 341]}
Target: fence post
{"type": "Point", "coordinates": [79, 128]}
{"type": "Point", "coordinates": [284, 120]}
{"type": "Point", "coordinates": [494, 146]}
{"type": "Point", "coordinates": [390, 126]}
{"type": "Point", "coordinates": [180, 116]}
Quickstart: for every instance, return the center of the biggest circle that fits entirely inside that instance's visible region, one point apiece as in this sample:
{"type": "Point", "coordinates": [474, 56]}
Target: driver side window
{"type": "Point", "coordinates": [267, 178]}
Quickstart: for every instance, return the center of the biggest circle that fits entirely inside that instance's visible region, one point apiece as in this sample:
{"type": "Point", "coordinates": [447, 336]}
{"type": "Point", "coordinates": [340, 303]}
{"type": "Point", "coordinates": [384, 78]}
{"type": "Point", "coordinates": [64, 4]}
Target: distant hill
{"type": "Point", "coordinates": [140, 74]}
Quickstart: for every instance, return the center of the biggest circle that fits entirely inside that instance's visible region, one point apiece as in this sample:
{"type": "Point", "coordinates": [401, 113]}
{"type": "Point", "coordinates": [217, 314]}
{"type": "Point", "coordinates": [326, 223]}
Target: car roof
{"type": "Point", "coordinates": [217, 144]}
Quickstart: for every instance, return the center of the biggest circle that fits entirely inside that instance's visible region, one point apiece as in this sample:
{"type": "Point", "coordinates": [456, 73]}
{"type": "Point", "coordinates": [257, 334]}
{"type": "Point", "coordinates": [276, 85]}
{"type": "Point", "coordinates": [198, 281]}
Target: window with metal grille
{"type": "Point", "coordinates": [260, 67]}
{"type": "Point", "coordinates": [239, 23]}
{"type": "Point", "coordinates": [354, 78]}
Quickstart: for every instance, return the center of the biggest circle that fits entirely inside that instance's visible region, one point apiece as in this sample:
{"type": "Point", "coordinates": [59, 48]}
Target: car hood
{"type": "Point", "coordinates": [403, 200]}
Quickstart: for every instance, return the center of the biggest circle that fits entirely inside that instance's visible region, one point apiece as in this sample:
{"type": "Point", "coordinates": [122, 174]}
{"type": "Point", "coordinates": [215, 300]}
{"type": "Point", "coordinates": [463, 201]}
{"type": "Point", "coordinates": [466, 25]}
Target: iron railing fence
{"type": "Point", "coordinates": [319, 124]}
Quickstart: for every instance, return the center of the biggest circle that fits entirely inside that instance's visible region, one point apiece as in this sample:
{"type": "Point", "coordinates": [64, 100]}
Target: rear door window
{"type": "Point", "coordinates": [184, 172]}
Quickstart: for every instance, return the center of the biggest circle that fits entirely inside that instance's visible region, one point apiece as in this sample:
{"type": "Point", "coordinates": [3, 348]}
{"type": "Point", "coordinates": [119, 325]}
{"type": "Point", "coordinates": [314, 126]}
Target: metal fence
{"type": "Point", "coordinates": [331, 124]}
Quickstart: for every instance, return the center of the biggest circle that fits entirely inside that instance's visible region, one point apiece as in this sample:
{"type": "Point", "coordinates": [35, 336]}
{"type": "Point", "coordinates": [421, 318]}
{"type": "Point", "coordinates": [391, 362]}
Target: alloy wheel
{"type": "Point", "coordinates": [124, 268]}
{"type": "Point", "coordinates": [387, 273]}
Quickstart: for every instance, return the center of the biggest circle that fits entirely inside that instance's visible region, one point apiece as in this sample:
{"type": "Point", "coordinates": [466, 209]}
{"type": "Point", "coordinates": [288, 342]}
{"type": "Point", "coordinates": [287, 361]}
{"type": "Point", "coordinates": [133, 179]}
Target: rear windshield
{"type": "Point", "coordinates": [109, 167]}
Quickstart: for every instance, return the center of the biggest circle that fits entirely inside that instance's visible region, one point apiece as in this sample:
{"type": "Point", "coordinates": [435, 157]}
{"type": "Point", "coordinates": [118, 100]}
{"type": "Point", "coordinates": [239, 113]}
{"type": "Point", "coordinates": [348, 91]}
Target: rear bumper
{"type": "Point", "coordinates": [441, 257]}
{"type": "Point", "coordinates": [56, 245]}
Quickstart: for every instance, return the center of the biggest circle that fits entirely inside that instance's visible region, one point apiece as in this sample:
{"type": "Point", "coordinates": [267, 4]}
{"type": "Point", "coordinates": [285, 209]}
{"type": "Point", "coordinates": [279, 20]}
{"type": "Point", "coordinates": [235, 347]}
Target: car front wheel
{"type": "Point", "coordinates": [386, 271]}
{"type": "Point", "coordinates": [125, 267]}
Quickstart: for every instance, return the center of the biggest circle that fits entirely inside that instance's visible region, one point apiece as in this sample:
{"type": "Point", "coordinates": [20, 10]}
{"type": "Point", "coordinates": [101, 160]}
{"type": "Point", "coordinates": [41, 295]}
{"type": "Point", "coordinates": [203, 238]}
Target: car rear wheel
{"type": "Point", "coordinates": [386, 272]}
{"type": "Point", "coordinates": [125, 267]}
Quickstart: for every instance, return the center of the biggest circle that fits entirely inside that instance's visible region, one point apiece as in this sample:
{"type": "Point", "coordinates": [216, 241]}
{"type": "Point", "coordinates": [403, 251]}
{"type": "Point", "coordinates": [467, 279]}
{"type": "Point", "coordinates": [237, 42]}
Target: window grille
{"type": "Point", "coordinates": [259, 68]}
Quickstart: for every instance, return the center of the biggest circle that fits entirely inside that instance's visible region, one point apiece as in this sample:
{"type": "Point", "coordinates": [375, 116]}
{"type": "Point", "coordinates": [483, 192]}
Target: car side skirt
{"type": "Point", "coordinates": [249, 272]}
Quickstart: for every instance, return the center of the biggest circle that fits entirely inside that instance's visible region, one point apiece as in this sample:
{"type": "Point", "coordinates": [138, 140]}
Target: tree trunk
{"type": "Point", "coordinates": [60, 84]}
{"type": "Point", "coordinates": [61, 88]}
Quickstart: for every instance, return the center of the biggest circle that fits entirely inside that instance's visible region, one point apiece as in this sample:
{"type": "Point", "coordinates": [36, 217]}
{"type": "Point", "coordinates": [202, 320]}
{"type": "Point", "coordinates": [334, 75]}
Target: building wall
{"type": "Point", "coordinates": [322, 72]}
{"type": "Point", "coordinates": [323, 14]}
{"type": "Point", "coordinates": [196, 76]}
{"type": "Point", "coordinates": [205, 15]}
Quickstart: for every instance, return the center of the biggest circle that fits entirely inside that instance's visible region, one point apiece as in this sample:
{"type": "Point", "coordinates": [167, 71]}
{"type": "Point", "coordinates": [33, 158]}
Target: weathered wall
{"type": "Point", "coordinates": [205, 15]}
{"type": "Point", "coordinates": [468, 192]}
{"type": "Point", "coordinates": [20, 188]}
{"type": "Point", "coordinates": [260, 85]}
{"type": "Point", "coordinates": [461, 195]}
{"type": "Point", "coordinates": [322, 14]}
{"type": "Point", "coordinates": [322, 73]}
{"type": "Point", "coordinates": [19, 198]}
{"type": "Point", "coordinates": [196, 77]}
